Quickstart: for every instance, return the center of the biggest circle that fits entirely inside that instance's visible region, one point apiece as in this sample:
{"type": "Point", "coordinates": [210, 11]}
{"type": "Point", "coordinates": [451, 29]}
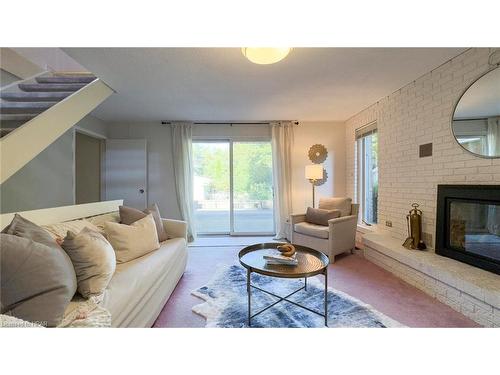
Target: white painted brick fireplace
{"type": "Point", "coordinates": [416, 114]}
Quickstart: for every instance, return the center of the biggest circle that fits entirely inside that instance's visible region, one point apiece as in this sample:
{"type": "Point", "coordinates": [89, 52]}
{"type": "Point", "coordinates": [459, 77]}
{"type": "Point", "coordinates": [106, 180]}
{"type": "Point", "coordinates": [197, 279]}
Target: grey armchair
{"type": "Point", "coordinates": [336, 238]}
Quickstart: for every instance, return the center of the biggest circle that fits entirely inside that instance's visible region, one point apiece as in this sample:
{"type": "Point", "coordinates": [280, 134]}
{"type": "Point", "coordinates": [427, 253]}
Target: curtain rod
{"type": "Point", "coordinates": [227, 123]}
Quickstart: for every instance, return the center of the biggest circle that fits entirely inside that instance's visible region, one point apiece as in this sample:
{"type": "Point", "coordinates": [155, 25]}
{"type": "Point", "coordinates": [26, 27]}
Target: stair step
{"type": "Point", "coordinates": [34, 96]}
{"type": "Point", "coordinates": [24, 108]}
{"type": "Point", "coordinates": [50, 87]}
{"type": "Point", "coordinates": [72, 74]}
{"type": "Point", "coordinates": [16, 117]}
{"type": "Point", "coordinates": [66, 79]}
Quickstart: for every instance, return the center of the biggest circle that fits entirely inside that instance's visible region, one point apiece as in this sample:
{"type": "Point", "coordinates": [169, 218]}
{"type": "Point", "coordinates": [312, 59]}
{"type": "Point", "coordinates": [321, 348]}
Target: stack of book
{"type": "Point", "coordinates": [281, 259]}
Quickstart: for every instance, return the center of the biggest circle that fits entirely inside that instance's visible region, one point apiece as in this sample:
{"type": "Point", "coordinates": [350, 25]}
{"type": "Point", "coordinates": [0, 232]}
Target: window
{"type": "Point", "coordinates": [367, 174]}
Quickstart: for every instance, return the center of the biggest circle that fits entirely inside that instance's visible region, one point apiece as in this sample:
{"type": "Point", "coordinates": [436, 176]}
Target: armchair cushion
{"type": "Point", "coordinates": [319, 216]}
{"type": "Point", "coordinates": [342, 204]}
{"type": "Point", "coordinates": [313, 230]}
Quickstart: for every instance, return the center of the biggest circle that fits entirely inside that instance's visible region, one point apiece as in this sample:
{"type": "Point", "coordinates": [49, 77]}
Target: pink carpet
{"type": "Point", "coordinates": [351, 274]}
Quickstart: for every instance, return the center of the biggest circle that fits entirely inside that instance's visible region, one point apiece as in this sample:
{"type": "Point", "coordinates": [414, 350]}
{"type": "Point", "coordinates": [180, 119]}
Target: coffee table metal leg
{"type": "Point", "coordinates": [249, 296]}
{"type": "Point", "coordinates": [326, 296]}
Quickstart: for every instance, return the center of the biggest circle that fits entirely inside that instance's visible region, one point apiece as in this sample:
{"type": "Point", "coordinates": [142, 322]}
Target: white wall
{"type": "Point", "coordinates": [234, 131]}
{"type": "Point", "coordinates": [416, 114]}
{"type": "Point", "coordinates": [7, 78]}
{"type": "Point", "coordinates": [50, 58]}
{"type": "Point", "coordinates": [332, 136]}
{"type": "Point", "coordinates": [47, 180]}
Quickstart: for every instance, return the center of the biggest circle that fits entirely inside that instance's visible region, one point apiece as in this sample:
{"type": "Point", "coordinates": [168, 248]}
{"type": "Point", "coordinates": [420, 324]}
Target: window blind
{"type": "Point", "coordinates": [366, 130]}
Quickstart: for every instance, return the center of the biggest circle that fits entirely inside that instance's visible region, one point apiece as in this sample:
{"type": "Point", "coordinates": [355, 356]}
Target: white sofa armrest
{"type": "Point", "coordinates": [297, 218]}
{"type": "Point", "coordinates": [175, 228]}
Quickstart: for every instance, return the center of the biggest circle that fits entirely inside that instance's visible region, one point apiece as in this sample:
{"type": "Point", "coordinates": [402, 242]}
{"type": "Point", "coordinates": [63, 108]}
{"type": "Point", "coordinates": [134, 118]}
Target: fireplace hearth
{"type": "Point", "coordinates": [468, 224]}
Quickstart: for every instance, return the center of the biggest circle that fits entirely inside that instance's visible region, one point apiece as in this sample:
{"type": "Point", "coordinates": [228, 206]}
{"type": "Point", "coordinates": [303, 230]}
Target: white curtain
{"type": "Point", "coordinates": [282, 143]}
{"type": "Point", "coordinates": [183, 172]}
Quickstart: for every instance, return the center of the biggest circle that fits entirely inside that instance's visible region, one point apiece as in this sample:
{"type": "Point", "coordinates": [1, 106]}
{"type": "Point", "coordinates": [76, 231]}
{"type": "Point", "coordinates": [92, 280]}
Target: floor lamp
{"type": "Point", "coordinates": [314, 172]}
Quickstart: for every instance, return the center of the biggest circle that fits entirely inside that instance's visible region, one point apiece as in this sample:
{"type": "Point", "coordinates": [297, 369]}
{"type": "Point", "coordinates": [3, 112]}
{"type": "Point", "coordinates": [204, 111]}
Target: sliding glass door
{"type": "Point", "coordinates": [233, 191]}
{"type": "Point", "coordinates": [252, 187]}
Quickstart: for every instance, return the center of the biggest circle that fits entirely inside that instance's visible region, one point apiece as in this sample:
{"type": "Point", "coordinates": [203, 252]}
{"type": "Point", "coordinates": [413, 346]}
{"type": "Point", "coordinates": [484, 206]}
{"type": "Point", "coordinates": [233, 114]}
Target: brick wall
{"type": "Point", "coordinates": [479, 311]}
{"type": "Point", "coordinates": [416, 114]}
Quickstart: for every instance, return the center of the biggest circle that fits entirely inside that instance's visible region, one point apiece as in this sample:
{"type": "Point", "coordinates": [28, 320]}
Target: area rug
{"type": "Point", "coordinates": [226, 306]}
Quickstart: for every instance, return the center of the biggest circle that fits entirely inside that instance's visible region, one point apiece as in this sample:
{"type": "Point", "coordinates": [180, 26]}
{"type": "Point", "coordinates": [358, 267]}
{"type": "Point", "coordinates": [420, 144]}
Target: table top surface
{"type": "Point", "coordinates": [311, 262]}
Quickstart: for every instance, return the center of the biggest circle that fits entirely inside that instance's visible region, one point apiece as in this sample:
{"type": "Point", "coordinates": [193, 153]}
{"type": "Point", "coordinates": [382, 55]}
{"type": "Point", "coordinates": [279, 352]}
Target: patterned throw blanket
{"type": "Point", "coordinates": [81, 313]}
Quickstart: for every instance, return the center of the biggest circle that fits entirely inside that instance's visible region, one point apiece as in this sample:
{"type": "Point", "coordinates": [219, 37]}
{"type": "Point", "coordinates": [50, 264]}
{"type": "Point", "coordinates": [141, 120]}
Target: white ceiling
{"type": "Point", "coordinates": [219, 84]}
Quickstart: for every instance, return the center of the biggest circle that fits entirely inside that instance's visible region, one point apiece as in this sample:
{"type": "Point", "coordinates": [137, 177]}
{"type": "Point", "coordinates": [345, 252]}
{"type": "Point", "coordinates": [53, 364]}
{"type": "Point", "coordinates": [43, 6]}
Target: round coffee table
{"type": "Point", "coordinates": [311, 263]}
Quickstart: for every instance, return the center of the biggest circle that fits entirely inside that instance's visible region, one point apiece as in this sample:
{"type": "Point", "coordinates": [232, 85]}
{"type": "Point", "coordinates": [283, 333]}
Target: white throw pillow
{"type": "Point", "coordinates": [59, 230]}
{"type": "Point", "coordinates": [132, 241]}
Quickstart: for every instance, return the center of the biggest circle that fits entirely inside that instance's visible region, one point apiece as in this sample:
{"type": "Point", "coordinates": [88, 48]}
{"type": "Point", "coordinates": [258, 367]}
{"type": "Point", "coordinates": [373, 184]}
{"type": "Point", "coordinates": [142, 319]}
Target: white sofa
{"type": "Point", "coordinates": [140, 288]}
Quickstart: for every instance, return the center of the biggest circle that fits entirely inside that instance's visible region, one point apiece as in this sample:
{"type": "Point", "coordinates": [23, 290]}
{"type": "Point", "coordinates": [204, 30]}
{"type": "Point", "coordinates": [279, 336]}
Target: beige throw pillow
{"type": "Point", "coordinates": [99, 220]}
{"type": "Point", "coordinates": [93, 258]}
{"type": "Point", "coordinates": [160, 229]}
{"type": "Point", "coordinates": [132, 241]}
{"type": "Point", "coordinates": [319, 216]}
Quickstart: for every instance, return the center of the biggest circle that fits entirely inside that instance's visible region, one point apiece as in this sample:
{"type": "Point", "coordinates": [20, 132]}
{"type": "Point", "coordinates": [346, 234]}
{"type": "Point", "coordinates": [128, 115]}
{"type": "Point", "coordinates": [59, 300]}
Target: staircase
{"type": "Point", "coordinates": [24, 101]}
{"type": "Point", "coordinates": [37, 111]}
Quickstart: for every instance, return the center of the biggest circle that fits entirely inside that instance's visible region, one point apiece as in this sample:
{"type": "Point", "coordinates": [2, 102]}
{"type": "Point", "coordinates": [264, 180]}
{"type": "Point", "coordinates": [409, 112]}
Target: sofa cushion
{"type": "Point", "coordinates": [135, 282]}
{"type": "Point", "coordinates": [320, 216]}
{"type": "Point", "coordinates": [93, 258]}
{"type": "Point", "coordinates": [37, 281]}
{"type": "Point", "coordinates": [314, 230]}
{"type": "Point", "coordinates": [132, 241]}
{"type": "Point", "coordinates": [342, 204]}
{"type": "Point", "coordinates": [59, 230]}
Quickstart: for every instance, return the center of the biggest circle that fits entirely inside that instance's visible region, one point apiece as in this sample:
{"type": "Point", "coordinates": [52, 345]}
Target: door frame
{"type": "Point", "coordinates": [102, 139]}
{"type": "Point", "coordinates": [231, 141]}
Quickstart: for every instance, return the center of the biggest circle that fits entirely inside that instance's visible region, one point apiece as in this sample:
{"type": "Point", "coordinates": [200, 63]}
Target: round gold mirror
{"type": "Point", "coordinates": [476, 119]}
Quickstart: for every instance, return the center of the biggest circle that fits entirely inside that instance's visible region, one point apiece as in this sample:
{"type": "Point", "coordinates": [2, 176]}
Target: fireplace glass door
{"type": "Point", "coordinates": [474, 227]}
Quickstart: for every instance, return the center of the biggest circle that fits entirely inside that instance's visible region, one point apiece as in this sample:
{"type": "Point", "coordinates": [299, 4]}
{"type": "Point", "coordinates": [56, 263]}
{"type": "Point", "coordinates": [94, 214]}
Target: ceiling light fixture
{"type": "Point", "coordinates": [265, 56]}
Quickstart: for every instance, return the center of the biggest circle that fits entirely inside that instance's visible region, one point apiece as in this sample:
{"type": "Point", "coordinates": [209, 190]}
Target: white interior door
{"type": "Point", "coordinates": [126, 171]}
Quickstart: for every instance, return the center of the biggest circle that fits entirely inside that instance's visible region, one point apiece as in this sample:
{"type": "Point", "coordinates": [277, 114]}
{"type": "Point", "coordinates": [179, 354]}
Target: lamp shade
{"type": "Point", "coordinates": [314, 172]}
